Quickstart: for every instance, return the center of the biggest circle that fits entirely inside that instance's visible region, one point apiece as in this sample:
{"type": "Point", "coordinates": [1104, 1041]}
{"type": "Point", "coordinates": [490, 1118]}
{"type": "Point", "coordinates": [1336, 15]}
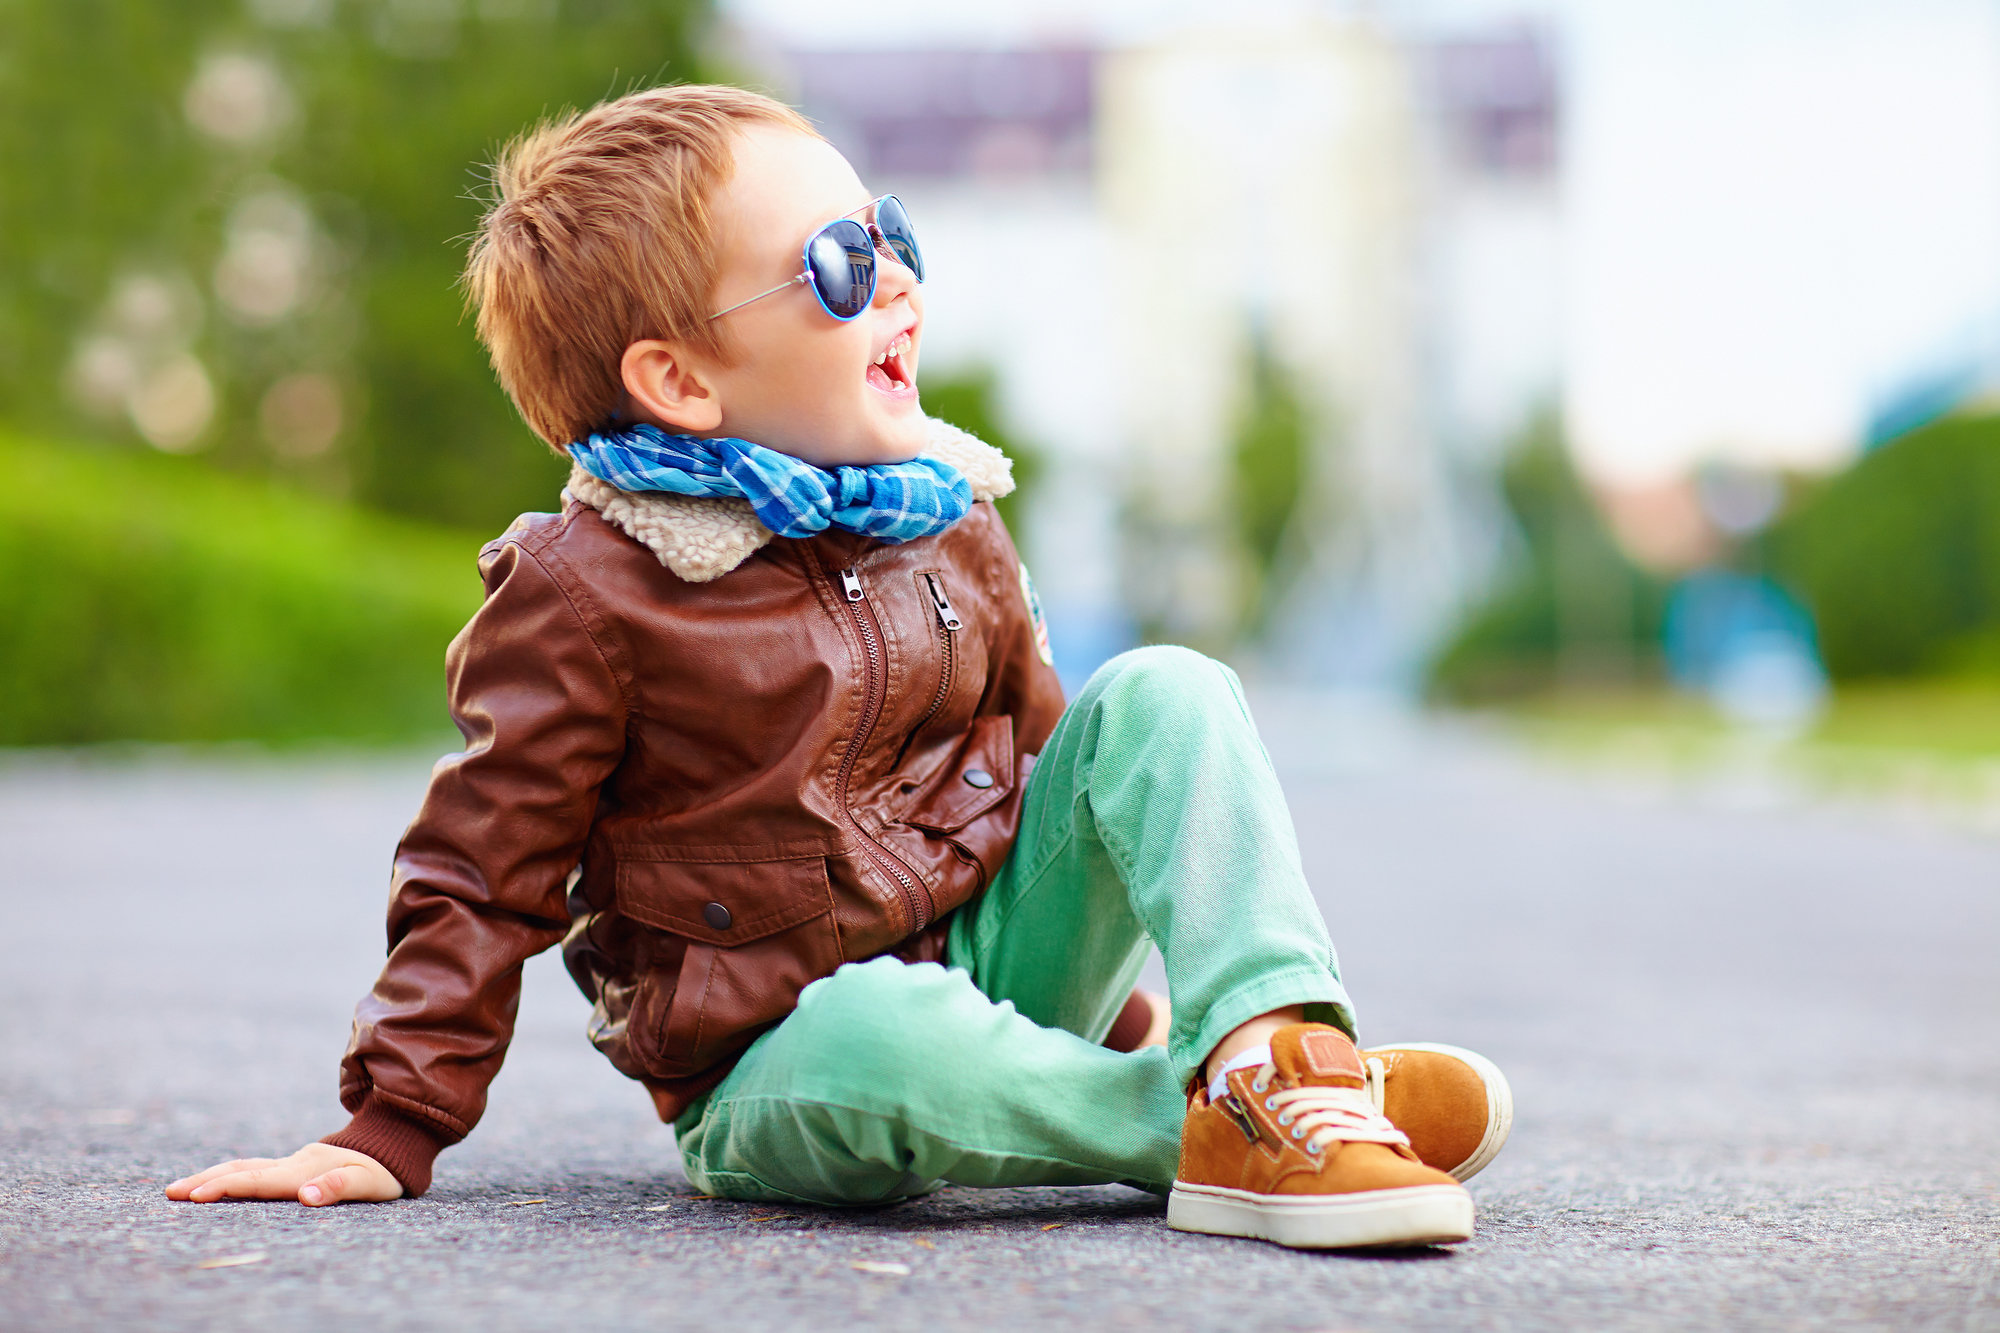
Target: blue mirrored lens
{"type": "Point", "coordinates": [842, 259]}
{"type": "Point", "coordinates": [894, 222]}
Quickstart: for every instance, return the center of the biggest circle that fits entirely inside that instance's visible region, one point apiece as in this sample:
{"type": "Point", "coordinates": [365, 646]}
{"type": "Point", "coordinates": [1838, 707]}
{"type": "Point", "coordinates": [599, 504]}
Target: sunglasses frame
{"type": "Point", "coordinates": [878, 244]}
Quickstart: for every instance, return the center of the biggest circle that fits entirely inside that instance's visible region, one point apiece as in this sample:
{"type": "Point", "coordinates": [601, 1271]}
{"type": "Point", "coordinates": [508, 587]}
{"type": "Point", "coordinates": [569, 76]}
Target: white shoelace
{"type": "Point", "coordinates": [1318, 1116]}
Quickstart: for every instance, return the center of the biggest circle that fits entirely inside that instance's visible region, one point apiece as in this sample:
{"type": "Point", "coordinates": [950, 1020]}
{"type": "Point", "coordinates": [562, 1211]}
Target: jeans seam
{"type": "Point", "coordinates": [766, 1185]}
{"type": "Point", "coordinates": [1123, 861]}
{"type": "Point", "coordinates": [1027, 884]}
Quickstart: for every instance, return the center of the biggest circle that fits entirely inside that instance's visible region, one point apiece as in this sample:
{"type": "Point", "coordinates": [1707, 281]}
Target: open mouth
{"type": "Point", "coordinates": [890, 372]}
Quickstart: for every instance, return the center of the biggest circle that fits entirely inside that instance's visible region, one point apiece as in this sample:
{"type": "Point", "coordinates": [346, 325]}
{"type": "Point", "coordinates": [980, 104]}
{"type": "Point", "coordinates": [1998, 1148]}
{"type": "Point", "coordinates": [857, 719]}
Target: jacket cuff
{"type": "Point", "coordinates": [406, 1147]}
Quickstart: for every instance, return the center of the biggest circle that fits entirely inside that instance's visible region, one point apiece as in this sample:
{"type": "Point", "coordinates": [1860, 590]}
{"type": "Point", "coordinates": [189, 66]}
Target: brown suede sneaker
{"type": "Point", "coordinates": [1297, 1153]}
{"type": "Point", "coordinates": [1454, 1104]}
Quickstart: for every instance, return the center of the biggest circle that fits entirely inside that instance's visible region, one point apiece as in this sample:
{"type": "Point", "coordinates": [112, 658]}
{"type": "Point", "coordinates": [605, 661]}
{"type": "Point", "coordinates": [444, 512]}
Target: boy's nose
{"type": "Point", "coordinates": [893, 278]}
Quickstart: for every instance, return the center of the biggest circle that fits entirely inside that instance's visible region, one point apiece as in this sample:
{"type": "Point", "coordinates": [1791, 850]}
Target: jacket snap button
{"type": "Point", "coordinates": [978, 777]}
{"type": "Point", "coordinates": [717, 916]}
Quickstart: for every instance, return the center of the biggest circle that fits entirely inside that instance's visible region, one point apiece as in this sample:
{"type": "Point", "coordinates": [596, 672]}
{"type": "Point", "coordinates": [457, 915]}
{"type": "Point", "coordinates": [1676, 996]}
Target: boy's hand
{"type": "Point", "coordinates": [315, 1175]}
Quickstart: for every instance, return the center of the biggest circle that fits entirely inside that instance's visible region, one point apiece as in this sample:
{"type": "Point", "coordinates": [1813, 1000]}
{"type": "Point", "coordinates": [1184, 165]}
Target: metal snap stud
{"type": "Point", "coordinates": [978, 777]}
{"type": "Point", "coordinates": [717, 916]}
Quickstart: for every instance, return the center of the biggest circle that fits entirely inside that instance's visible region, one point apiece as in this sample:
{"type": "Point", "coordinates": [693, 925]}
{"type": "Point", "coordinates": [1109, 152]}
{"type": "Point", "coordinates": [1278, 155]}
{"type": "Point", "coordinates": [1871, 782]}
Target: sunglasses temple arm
{"type": "Point", "coordinates": [789, 282]}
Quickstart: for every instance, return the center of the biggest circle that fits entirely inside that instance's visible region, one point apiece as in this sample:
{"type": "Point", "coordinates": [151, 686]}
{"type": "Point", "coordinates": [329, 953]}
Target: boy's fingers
{"type": "Point", "coordinates": [327, 1187]}
{"type": "Point", "coordinates": [351, 1182]}
{"type": "Point", "coordinates": [262, 1183]}
{"type": "Point", "coordinates": [298, 1176]}
{"type": "Point", "coordinates": [221, 1187]}
{"type": "Point", "coordinates": [186, 1185]}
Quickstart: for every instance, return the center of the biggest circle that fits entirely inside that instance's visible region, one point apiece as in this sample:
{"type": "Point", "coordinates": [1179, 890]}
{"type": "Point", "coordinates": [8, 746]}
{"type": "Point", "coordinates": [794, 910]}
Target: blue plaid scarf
{"type": "Point", "coordinates": [893, 502]}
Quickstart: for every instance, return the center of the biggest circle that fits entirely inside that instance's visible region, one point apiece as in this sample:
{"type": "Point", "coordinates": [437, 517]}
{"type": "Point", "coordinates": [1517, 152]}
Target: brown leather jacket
{"type": "Point", "coordinates": [713, 786]}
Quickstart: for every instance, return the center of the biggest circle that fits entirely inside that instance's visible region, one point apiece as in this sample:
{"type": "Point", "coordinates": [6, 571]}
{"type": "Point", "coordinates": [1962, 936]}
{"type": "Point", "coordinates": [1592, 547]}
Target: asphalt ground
{"type": "Point", "coordinates": [1754, 1042]}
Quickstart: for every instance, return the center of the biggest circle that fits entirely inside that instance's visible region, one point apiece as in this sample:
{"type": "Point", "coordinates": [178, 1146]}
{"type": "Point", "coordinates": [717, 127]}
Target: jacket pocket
{"type": "Point", "coordinates": [978, 776]}
{"type": "Point", "coordinates": [957, 824]}
{"type": "Point", "coordinates": [723, 903]}
{"type": "Point", "coordinates": [755, 934]}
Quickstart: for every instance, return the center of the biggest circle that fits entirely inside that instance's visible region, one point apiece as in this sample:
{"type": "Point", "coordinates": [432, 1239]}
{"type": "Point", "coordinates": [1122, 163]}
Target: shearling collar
{"type": "Point", "coordinates": [701, 538]}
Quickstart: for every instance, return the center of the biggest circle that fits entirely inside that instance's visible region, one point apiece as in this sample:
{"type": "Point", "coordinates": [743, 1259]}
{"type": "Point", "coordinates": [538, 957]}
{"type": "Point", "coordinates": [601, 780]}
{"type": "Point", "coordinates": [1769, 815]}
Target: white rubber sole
{"type": "Point", "coordinates": [1499, 1103]}
{"type": "Point", "coordinates": [1416, 1215]}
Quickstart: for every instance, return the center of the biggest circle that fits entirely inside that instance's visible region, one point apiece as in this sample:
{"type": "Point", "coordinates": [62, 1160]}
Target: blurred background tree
{"type": "Point", "coordinates": [232, 230]}
{"type": "Point", "coordinates": [1267, 477]}
{"type": "Point", "coordinates": [1898, 557]}
{"type": "Point", "coordinates": [234, 227]}
{"type": "Point", "coordinates": [969, 399]}
{"type": "Point", "coordinates": [1572, 609]}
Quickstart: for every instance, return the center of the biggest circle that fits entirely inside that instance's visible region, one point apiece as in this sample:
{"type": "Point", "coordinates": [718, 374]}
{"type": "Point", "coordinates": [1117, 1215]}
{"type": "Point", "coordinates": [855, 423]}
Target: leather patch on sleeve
{"type": "Point", "coordinates": [1329, 1054]}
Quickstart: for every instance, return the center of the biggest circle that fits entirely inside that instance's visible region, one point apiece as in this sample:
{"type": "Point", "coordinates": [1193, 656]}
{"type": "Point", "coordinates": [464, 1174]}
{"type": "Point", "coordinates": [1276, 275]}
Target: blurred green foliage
{"type": "Point", "coordinates": [1267, 476]}
{"type": "Point", "coordinates": [151, 598]}
{"type": "Point", "coordinates": [263, 189]}
{"type": "Point", "coordinates": [1898, 558]}
{"type": "Point", "coordinates": [1573, 610]}
{"type": "Point", "coordinates": [968, 401]}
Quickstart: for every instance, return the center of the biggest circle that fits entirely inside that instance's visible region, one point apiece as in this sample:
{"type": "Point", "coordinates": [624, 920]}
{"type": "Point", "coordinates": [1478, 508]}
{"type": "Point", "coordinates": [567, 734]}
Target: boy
{"type": "Point", "coordinates": [762, 728]}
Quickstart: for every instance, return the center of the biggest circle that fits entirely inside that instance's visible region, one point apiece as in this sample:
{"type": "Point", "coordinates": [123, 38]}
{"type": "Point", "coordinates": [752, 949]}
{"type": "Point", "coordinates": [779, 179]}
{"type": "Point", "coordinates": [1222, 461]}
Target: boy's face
{"type": "Point", "coordinates": [800, 381]}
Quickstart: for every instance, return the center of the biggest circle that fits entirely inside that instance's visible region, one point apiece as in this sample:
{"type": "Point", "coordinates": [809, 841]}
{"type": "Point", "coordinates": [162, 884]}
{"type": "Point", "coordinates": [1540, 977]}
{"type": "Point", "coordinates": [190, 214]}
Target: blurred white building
{"type": "Point", "coordinates": [1106, 228]}
{"type": "Point", "coordinates": [1741, 233]}
{"type": "Point", "coordinates": [1380, 206]}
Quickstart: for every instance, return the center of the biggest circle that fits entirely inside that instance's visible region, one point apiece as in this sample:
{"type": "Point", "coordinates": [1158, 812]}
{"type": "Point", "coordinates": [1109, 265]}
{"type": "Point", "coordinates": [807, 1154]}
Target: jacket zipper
{"type": "Point", "coordinates": [946, 615]}
{"type": "Point", "coordinates": [915, 900]}
{"type": "Point", "coordinates": [949, 625]}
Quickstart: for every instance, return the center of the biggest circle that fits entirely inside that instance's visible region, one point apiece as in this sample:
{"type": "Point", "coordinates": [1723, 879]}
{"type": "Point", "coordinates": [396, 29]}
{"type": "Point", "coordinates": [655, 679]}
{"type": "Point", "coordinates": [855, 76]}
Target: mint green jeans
{"type": "Point", "coordinates": [1154, 816]}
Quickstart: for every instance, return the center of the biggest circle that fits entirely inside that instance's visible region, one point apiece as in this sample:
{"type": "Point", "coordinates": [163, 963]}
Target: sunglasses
{"type": "Point", "coordinates": [840, 260]}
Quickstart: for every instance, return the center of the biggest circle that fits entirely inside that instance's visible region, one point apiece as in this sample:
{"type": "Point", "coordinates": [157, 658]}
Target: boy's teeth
{"type": "Point", "coordinates": [896, 348]}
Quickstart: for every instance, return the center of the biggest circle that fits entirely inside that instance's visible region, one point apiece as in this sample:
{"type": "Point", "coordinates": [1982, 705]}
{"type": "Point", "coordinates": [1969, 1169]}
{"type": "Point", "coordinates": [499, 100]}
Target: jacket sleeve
{"type": "Point", "coordinates": [1024, 681]}
{"type": "Point", "coordinates": [479, 877]}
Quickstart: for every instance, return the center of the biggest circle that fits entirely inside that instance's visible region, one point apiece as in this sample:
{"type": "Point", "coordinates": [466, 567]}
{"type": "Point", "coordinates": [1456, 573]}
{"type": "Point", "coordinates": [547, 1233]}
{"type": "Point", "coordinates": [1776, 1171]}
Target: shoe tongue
{"type": "Point", "coordinates": [1317, 1054]}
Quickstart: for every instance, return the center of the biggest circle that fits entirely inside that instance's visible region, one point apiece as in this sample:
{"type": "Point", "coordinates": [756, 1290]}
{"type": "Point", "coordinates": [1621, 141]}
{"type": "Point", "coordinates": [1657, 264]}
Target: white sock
{"type": "Point", "coordinates": [1218, 1087]}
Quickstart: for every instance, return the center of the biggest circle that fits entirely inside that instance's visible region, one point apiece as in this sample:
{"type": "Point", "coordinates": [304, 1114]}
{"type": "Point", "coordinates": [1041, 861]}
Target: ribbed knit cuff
{"type": "Point", "coordinates": [406, 1147]}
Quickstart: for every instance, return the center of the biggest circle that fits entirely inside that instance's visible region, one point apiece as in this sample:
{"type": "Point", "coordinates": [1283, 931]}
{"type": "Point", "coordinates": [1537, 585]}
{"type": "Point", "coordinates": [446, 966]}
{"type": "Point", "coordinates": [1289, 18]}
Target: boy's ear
{"type": "Point", "coordinates": [666, 390]}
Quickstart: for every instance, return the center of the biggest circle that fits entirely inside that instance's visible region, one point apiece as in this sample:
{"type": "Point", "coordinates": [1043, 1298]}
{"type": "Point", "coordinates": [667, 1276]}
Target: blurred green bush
{"type": "Point", "coordinates": [1898, 558]}
{"type": "Point", "coordinates": [1571, 610]}
{"type": "Point", "coordinates": [149, 598]}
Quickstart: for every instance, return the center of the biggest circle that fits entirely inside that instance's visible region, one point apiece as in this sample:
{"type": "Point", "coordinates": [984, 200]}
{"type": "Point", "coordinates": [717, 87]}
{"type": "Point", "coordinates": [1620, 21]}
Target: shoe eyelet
{"type": "Point", "coordinates": [1270, 1103]}
{"type": "Point", "coordinates": [1286, 1119]}
{"type": "Point", "coordinates": [1299, 1133]}
{"type": "Point", "coordinates": [1260, 1085]}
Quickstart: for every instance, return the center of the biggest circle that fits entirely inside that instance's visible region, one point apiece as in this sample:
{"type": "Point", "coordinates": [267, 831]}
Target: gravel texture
{"type": "Point", "coordinates": [1754, 1042]}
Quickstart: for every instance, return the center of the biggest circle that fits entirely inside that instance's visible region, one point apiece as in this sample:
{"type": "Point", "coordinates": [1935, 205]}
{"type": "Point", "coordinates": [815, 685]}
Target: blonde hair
{"type": "Point", "coordinates": [599, 234]}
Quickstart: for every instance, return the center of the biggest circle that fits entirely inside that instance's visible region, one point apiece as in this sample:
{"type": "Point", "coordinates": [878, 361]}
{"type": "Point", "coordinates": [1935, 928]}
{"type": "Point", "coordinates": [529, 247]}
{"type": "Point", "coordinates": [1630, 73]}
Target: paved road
{"type": "Point", "coordinates": [1756, 1052]}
